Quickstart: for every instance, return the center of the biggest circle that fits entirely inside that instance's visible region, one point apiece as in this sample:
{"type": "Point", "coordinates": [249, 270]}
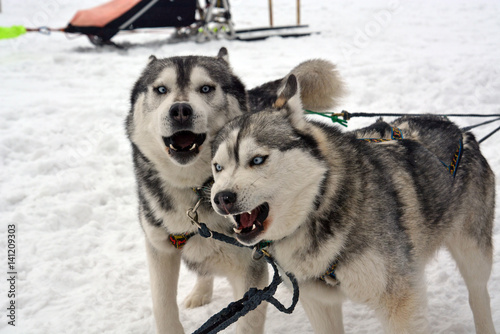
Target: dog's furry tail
{"type": "Point", "coordinates": [321, 87]}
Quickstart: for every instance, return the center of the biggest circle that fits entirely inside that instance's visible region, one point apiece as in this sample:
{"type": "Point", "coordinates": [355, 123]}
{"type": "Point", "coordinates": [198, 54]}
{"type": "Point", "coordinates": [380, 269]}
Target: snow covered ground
{"type": "Point", "coordinates": [66, 175]}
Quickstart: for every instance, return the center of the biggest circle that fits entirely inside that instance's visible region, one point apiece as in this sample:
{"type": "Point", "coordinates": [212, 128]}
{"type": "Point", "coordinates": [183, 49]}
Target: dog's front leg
{"type": "Point", "coordinates": [164, 269]}
{"type": "Point", "coordinates": [323, 306]}
{"type": "Point", "coordinates": [201, 293]}
{"type": "Point", "coordinates": [255, 276]}
{"type": "Point", "coordinates": [403, 310]}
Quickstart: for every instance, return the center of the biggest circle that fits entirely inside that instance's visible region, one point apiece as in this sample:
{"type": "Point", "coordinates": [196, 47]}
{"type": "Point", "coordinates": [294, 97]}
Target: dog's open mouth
{"type": "Point", "coordinates": [250, 224]}
{"type": "Point", "coordinates": [184, 145]}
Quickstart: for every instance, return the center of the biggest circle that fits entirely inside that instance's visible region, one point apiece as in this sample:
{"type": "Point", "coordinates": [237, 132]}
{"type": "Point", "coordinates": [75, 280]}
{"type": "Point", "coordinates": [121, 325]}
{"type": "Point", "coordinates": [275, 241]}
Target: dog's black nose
{"type": "Point", "coordinates": [225, 200]}
{"type": "Point", "coordinates": [181, 112]}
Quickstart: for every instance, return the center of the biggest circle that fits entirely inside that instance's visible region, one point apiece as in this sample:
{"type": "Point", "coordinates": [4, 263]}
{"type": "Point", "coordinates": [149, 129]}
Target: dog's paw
{"type": "Point", "coordinates": [201, 293]}
{"type": "Point", "coordinates": [197, 298]}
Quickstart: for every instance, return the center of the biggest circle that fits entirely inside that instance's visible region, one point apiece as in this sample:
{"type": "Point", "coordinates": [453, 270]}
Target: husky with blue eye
{"type": "Point", "coordinates": [177, 106]}
{"type": "Point", "coordinates": [359, 214]}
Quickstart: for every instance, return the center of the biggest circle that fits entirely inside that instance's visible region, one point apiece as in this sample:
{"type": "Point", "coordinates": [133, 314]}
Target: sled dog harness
{"type": "Point", "coordinates": [396, 134]}
{"type": "Point", "coordinates": [253, 297]}
{"type": "Point", "coordinates": [330, 273]}
{"type": "Point", "coordinates": [179, 240]}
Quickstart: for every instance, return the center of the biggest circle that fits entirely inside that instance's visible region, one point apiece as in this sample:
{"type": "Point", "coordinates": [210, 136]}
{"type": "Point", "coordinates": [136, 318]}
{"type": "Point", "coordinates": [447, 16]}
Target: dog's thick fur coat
{"type": "Point", "coordinates": [177, 106]}
{"type": "Point", "coordinates": [376, 212]}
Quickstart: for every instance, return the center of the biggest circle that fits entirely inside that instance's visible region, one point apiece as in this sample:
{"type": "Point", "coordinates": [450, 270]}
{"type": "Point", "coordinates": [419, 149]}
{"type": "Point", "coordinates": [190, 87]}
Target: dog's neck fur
{"type": "Point", "coordinates": [303, 262]}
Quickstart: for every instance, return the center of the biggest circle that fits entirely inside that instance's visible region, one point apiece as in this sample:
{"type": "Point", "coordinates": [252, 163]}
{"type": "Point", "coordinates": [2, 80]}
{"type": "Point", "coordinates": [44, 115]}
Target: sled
{"type": "Point", "coordinates": [102, 23]}
{"type": "Point", "coordinates": [197, 20]}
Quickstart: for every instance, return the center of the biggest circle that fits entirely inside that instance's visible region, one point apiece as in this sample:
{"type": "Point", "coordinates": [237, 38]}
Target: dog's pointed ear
{"type": "Point", "coordinates": [223, 54]}
{"type": "Point", "coordinates": [287, 92]}
{"type": "Point", "coordinates": [289, 100]}
{"type": "Point", "coordinates": [151, 59]}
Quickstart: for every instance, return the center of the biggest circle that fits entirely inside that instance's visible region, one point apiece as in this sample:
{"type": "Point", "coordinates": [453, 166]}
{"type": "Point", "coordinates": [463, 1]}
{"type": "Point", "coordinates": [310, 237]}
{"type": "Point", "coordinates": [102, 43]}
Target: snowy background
{"type": "Point", "coordinates": [66, 176]}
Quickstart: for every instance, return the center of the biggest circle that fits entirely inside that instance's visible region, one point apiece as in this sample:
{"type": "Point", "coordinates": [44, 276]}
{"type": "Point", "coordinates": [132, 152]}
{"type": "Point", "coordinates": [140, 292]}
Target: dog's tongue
{"type": "Point", "coordinates": [184, 139]}
{"type": "Point", "coordinates": [247, 220]}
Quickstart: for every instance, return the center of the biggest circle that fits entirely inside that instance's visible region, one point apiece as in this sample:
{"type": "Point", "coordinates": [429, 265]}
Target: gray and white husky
{"type": "Point", "coordinates": [359, 218]}
{"type": "Point", "coordinates": [177, 106]}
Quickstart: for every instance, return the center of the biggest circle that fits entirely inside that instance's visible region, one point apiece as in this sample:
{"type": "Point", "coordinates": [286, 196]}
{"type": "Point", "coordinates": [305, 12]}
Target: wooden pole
{"type": "Point", "coordinates": [298, 12]}
{"type": "Point", "coordinates": [271, 13]}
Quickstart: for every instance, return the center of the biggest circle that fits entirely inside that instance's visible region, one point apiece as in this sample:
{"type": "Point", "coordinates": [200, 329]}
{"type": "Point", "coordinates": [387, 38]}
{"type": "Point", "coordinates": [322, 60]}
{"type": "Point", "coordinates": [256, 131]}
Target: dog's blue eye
{"type": "Point", "coordinates": [218, 167]}
{"type": "Point", "coordinates": [258, 160]}
{"type": "Point", "coordinates": [206, 89]}
{"type": "Point", "coordinates": [161, 90]}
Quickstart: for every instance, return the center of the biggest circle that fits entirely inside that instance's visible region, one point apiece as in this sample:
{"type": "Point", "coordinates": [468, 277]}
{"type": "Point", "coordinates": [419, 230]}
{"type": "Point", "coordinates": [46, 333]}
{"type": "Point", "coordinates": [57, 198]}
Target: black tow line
{"type": "Point", "coordinates": [348, 115]}
{"type": "Point", "coordinates": [253, 297]}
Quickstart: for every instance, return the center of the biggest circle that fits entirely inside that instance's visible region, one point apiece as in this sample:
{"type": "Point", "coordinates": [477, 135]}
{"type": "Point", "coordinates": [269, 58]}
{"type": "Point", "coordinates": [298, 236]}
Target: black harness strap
{"type": "Point", "coordinates": [252, 298]}
{"type": "Point", "coordinates": [347, 116]}
{"type": "Point", "coordinates": [468, 128]}
{"type": "Point", "coordinates": [488, 135]}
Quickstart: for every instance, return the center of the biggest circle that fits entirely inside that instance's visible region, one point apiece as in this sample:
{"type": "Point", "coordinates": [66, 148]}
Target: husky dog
{"type": "Point", "coordinates": [358, 219]}
{"type": "Point", "coordinates": [177, 106]}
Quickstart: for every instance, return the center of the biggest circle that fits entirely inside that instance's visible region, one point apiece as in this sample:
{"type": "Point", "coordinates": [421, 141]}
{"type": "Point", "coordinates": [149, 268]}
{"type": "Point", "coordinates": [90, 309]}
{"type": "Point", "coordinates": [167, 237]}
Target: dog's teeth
{"type": "Point", "coordinates": [254, 227]}
{"type": "Point", "coordinates": [172, 147]}
{"type": "Point", "coordinates": [249, 212]}
{"type": "Point", "coordinates": [193, 147]}
{"type": "Point", "coordinates": [236, 230]}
